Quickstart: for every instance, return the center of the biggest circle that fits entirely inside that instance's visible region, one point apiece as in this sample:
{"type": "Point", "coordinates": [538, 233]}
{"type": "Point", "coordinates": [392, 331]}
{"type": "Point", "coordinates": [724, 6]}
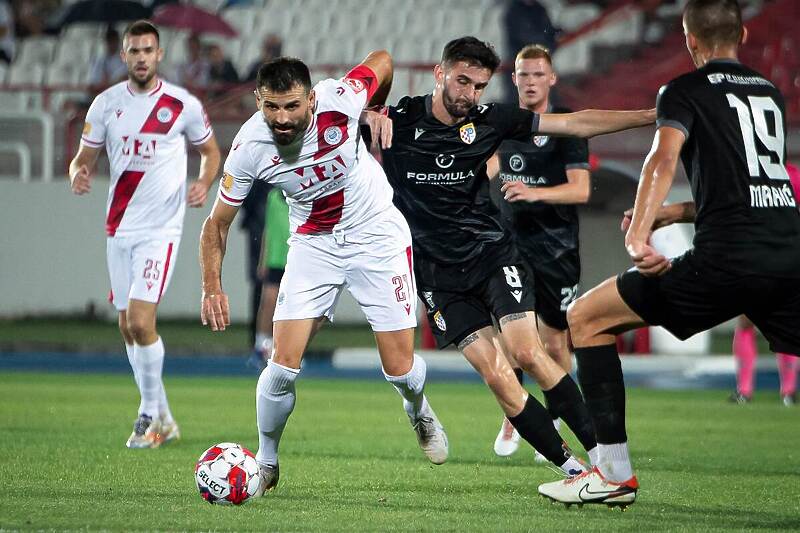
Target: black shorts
{"type": "Point", "coordinates": [455, 315]}
{"type": "Point", "coordinates": [556, 285]}
{"type": "Point", "coordinates": [694, 296]}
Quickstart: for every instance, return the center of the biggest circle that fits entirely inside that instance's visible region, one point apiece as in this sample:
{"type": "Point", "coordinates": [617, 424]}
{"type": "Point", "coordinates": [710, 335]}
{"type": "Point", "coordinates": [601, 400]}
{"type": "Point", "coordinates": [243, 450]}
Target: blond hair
{"type": "Point", "coordinates": [534, 51]}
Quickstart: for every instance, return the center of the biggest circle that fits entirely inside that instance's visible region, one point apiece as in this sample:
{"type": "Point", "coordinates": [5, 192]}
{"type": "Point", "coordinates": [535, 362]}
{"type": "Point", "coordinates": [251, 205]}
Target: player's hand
{"type": "Point", "coordinates": [647, 260]}
{"type": "Point", "coordinates": [381, 127]}
{"type": "Point", "coordinates": [215, 312]}
{"type": "Point", "coordinates": [80, 181]}
{"type": "Point", "coordinates": [627, 218]}
{"type": "Point", "coordinates": [198, 192]}
{"type": "Point", "coordinates": [516, 191]}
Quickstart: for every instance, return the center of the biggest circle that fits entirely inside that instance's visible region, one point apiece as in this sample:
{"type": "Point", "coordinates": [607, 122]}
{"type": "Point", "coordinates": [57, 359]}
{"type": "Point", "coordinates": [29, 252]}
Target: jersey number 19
{"type": "Point", "coordinates": [756, 114]}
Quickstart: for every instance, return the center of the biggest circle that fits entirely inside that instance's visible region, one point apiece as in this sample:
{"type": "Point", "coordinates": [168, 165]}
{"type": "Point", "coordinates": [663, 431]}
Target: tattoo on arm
{"type": "Point", "coordinates": [469, 339]}
{"type": "Point", "coordinates": [510, 318]}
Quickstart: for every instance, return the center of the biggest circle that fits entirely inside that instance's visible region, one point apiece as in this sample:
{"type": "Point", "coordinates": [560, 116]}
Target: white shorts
{"type": "Point", "coordinates": [140, 268]}
{"type": "Point", "coordinates": [377, 269]}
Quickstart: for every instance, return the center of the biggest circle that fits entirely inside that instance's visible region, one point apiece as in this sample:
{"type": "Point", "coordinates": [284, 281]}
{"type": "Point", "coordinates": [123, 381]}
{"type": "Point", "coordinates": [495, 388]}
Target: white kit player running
{"type": "Point", "coordinates": [144, 124]}
{"type": "Point", "coordinates": [346, 233]}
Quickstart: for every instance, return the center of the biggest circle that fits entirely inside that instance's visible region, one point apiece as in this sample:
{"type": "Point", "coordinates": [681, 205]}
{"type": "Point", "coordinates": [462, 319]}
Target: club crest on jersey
{"type": "Point", "coordinates": [468, 133]}
{"type": "Point", "coordinates": [164, 115]}
{"type": "Point", "coordinates": [540, 140]}
{"type": "Point", "coordinates": [439, 320]}
{"type": "Point", "coordinates": [332, 135]}
{"type": "Point", "coordinates": [516, 162]}
{"type": "Point", "coordinates": [356, 85]}
{"type": "Point", "coordinates": [227, 181]}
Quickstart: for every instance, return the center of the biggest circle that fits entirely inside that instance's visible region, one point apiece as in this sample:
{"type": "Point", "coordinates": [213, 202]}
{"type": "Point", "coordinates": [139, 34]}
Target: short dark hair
{"type": "Point", "coordinates": [141, 27]}
{"type": "Point", "coordinates": [282, 73]}
{"type": "Point", "coordinates": [714, 22]}
{"type": "Point", "coordinates": [471, 51]}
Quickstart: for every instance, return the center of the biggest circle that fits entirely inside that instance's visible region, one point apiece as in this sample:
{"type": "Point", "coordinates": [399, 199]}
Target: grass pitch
{"type": "Point", "coordinates": [349, 462]}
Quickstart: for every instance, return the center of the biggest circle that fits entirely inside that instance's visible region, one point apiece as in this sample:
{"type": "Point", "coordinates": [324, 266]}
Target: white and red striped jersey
{"type": "Point", "coordinates": [330, 179]}
{"type": "Point", "coordinates": [144, 137]}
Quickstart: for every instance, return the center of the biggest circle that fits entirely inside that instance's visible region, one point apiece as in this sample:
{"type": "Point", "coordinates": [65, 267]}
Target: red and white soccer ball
{"type": "Point", "coordinates": [227, 473]}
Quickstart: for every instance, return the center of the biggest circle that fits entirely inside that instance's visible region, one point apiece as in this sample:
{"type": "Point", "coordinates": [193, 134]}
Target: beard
{"type": "Point", "coordinates": [457, 108]}
{"type": "Point", "coordinates": [141, 79]}
{"type": "Point", "coordinates": [288, 131]}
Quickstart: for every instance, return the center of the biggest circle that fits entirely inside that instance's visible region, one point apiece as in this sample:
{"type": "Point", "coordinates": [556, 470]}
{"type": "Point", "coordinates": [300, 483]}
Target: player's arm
{"type": "Point", "coordinates": [209, 165]}
{"type": "Point", "coordinates": [593, 122]}
{"type": "Point", "coordinates": [680, 213]}
{"type": "Point", "coordinates": [81, 168]}
{"type": "Point", "coordinates": [214, 311]}
{"type": "Point", "coordinates": [654, 184]}
{"type": "Point", "coordinates": [575, 191]}
{"type": "Point", "coordinates": [493, 166]}
{"type": "Point", "coordinates": [380, 64]}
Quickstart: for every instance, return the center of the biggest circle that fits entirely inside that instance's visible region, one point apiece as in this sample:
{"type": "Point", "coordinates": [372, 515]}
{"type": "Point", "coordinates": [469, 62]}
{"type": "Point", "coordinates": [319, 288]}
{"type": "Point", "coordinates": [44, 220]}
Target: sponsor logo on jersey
{"type": "Point", "coordinates": [439, 320]}
{"type": "Point", "coordinates": [445, 160]}
{"type": "Point", "coordinates": [143, 148]}
{"type": "Point", "coordinates": [540, 140]}
{"type": "Point", "coordinates": [87, 128]}
{"type": "Point", "coordinates": [719, 77]}
{"type": "Point", "coordinates": [418, 133]}
{"type": "Point", "coordinates": [468, 133]}
{"type": "Point", "coordinates": [332, 135]}
{"type": "Point", "coordinates": [442, 178]}
{"type": "Point", "coordinates": [356, 85]}
{"type": "Point", "coordinates": [227, 181]}
{"type": "Point", "coordinates": [164, 115]}
{"type": "Point", "coordinates": [527, 180]}
{"type": "Point", "coordinates": [516, 162]}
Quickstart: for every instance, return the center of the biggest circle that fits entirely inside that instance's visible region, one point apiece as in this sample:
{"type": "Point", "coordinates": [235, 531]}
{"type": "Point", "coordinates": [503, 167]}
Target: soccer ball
{"type": "Point", "coordinates": [227, 473]}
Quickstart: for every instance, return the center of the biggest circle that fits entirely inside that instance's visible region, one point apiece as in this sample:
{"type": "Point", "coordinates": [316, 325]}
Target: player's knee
{"type": "Point", "coordinates": [578, 317]}
{"type": "Point", "coordinates": [140, 329]}
{"type": "Point", "coordinates": [530, 359]}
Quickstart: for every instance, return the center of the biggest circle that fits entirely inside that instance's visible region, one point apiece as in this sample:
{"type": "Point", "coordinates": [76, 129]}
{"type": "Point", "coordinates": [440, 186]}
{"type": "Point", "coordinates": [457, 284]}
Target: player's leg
{"type": "Point", "coordinates": [787, 370]}
{"type": "Point", "coordinates": [127, 338]}
{"type": "Point", "coordinates": [561, 393]}
{"type": "Point", "coordinates": [264, 324]}
{"type": "Point", "coordinates": [526, 414]}
{"type": "Point", "coordinates": [507, 441]}
{"type": "Point", "coordinates": [746, 353]}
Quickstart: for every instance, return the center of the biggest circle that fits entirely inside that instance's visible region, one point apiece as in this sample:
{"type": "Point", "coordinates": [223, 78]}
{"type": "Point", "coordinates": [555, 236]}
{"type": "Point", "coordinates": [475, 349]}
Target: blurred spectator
{"type": "Point", "coordinates": [108, 68]}
{"type": "Point", "coordinates": [270, 49]}
{"type": "Point", "coordinates": [221, 71]}
{"type": "Point", "coordinates": [526, 22]}
{"type": "Point", "coordinates": [30, 16]}
{"type": "Point", "coordinates": [193, 73]}
{"type": "Point", "coordinates": [7, 43]}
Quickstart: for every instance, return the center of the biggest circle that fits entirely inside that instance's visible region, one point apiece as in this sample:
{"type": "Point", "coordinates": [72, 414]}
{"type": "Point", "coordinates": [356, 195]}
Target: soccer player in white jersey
{"type": "Point", "coordinates": [144, 123]}
{"type": "Point", "coordinates": [346, 233]}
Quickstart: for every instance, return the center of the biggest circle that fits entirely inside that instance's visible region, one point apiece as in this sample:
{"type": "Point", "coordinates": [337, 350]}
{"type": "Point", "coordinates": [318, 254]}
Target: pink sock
{"type": "Point", "coordinates": [787, 369]}
{"type": "Point", "coordinates": [744, 348]}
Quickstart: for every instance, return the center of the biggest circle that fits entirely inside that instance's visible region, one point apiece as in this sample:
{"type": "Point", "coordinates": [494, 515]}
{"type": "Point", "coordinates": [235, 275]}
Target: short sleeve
{"type": "Point", "coordinates": [237, 176]}
{"type": "Point", "coordinates": [673, 109]}
{"type": "Point", "coordinates": [575, 153]}
{"type": "Point", "coordinates": [94, 129]}
{"type": "Point", "coordinates": [198, 128]}
{"type": "Point", "coordinates": [513, 122]}
{"type": "Point", "coordinates": [350, 94]}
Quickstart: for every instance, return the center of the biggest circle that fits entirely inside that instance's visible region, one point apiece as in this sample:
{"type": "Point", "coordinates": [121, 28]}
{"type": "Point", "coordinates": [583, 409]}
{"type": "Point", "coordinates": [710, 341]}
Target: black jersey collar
{"type": "Point", "coordinates": [724, 61]}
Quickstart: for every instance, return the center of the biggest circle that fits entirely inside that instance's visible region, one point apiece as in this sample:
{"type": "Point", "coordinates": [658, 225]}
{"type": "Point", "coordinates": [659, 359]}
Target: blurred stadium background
{"type": "Point", "coordinates": [608, 54]}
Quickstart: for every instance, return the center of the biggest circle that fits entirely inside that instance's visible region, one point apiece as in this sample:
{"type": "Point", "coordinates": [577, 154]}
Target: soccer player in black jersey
{"type": "Point", "coordinates": [467, 269]}
{"type": "Point", "coordinates": [542, 179]}
{"type": "Point", "coordinates": [726, 123]}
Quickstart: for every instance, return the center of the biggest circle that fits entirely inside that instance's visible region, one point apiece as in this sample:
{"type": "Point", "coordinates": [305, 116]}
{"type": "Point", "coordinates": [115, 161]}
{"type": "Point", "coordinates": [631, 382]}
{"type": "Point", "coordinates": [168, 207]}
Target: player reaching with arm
{"type": "Point", "coordinates": [468, 271]}
{"type": "Point", "coordinates": [542, 179]}
{"type": "Point", "coordinates": [144, 124]}
{"type": "Point", "coordinates": [726, 123]}
{"type": "Point", "coordinates": [345, 233]}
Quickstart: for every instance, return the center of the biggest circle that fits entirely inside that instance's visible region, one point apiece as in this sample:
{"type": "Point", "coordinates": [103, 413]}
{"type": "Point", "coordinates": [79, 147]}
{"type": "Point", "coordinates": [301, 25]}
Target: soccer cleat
{"type": "Point", "coordinates": [789, 400]}
{"type": "Point", "coordinates": [431, 437]}
{"type": "Point", "coordinates": [507, 441]}
{"type": "Point", "coordinates": [166, 433]}
{"type": "Point", "coordinates": [738, 397]}
{"type": "Point", "coordinates": [591, 487]}
{"type": "Point", "coordinates": [269, 479]}
{"type": "Point", "coordinates": [144, 433]}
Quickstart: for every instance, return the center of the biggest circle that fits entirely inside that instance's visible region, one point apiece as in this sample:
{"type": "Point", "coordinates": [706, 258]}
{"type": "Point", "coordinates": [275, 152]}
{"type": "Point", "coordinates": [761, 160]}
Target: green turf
{"type": "Point", "coordinates": [350, 462]}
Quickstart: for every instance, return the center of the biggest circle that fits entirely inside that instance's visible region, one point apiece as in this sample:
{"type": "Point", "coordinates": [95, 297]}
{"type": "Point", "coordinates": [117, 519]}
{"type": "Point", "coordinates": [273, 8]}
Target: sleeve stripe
{"type": "Point", "coordinates": [366, 75]}
{"type": "Point", "coordinates": [228, 199]}
{"type": "Point", "coordinates": [579, 166]}
{"type": "Point", "coordinates": [673, 124]}
{"type": "Point", "coordinates": [92, 143]}
{"type": "Point", "coordinates": [204, 138]}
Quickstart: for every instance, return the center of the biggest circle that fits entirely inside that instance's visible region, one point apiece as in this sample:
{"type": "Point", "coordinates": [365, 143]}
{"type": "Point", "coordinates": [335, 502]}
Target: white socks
{"type": "Point", "coordinates": [149, 363]}
{"type": "Point", "coordinates": [614, 462]}
{"type": "Point", "coordinates": [275, 398]}
{"type": "Point", "coordinates": [411, 387]}
{"type": "Point", "coordinates": [132, 361]}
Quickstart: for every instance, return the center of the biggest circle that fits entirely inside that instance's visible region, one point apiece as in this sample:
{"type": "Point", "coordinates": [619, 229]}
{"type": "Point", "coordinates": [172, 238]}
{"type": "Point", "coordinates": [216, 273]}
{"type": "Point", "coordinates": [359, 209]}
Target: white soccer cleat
{"type": "Point", "coordinates": [591, 487]}
{"type": "Point", "coordinates": [507, 441]}
{"type": "Point", "coordinates": [166, 433]}
{"type": "Point", "coordinates": [269, 476]}
{"type": "Point", "coordinates": [431, 437]}
{"type": "Point", "coordinates": [145, 432]}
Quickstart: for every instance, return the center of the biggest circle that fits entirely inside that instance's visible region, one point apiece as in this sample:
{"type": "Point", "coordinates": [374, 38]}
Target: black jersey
{"type": "Point", "coordinates": [547, 230]}
{"type": "Point", "coordinates": [735, 122]}
{"type": "Point", "coordinates": [438, 173]}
